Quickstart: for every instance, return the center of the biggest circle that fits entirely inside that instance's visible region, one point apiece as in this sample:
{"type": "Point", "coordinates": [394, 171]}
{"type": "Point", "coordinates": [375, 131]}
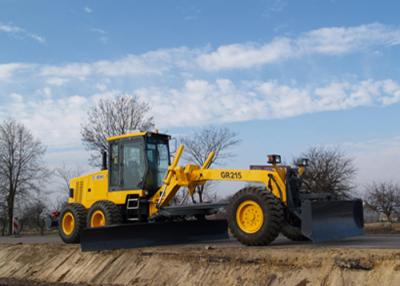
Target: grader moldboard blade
{"type": "Point", "coordinates": [153, 234]}
{"type": "Point", "coordinates": [332, 220]}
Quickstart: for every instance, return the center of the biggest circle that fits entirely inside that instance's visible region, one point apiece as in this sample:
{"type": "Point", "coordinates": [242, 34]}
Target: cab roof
{"type": "Point", "coordinates": [135, 134]}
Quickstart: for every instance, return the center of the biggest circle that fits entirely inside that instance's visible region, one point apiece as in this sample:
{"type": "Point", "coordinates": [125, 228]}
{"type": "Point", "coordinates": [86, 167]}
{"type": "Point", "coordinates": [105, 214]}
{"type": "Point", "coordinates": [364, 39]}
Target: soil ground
{"type": "Point", "coordinates": [373, 259]}
{"type": "Point", "coordinates": [57, 264]}
{"type": "Point", "coordinates": [380, 227]}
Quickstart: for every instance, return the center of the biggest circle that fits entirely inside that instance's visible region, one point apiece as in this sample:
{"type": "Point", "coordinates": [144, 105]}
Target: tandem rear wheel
{"type": "Point", "coordinates": [255, 216]}
{"type": "Point", "coordinates": [103, 213]}
{"type": "Point", "coordinates": [75, 218]}
{"type": "Point", "coordinates": [72, 222]}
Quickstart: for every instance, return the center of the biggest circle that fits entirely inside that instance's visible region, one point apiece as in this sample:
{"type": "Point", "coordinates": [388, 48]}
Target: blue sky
{"type": "Point", "coordinates": [285, 75]}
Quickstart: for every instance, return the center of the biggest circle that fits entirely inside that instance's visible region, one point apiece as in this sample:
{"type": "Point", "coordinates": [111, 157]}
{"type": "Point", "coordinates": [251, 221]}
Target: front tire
{"type": "Point", "coordinates": [72, 222]}
{"type": "Point", "coordinates": [255, 216]}
{"type": "Point", "coordinates": [103, 213]}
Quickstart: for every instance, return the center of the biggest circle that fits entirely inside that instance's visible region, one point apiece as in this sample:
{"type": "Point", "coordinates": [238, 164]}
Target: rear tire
{"type": "Point", "coordinates": [103, 213]}
{"type": "Point", "coordinates": [255, 216]}
{"type": "Point", "coordinates": [72, 222]}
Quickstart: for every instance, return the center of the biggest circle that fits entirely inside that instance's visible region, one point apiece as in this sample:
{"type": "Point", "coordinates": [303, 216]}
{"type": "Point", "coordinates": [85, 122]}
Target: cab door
{"type": "Point", "coordinates": [115, 166]}
{"type": "Point", "coordinates": [127, 165]}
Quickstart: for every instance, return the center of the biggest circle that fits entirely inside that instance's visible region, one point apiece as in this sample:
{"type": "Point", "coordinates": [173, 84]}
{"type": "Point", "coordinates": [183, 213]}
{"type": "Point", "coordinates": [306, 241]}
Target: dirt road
{"type": "Point", "coordinates": [366, 241]}
{"type": "Point", "coordinates": [228, 264]}
{"type": "Point", "coordinates": [372, 259]}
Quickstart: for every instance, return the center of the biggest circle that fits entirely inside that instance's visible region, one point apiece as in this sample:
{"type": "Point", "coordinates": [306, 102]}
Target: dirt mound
{"type": "Point", "coordinates": [67, 265]}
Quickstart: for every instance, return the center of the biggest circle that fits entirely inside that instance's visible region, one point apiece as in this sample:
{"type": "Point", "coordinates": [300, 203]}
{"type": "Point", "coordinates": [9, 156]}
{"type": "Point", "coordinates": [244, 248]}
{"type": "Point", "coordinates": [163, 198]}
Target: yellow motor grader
{"type": "Point", "coordinates": [127, 203]}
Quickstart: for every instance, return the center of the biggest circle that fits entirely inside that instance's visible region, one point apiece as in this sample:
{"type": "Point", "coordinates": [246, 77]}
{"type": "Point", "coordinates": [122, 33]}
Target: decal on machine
{"type": "Point", "coordinates": [98, 177]}
{"type": "Point", "coordinates": [231, 175]}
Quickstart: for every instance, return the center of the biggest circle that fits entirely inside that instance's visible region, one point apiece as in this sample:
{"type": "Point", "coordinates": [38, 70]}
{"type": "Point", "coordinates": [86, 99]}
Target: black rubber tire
{"type": "Point", "coordinates": [293, 233]}
{"type": "Point", "coordinates": [111, 211]}
{"type": "Point", "coordinates": [272, 211]}
{"type": "Point", "coordinates": [79, 213]}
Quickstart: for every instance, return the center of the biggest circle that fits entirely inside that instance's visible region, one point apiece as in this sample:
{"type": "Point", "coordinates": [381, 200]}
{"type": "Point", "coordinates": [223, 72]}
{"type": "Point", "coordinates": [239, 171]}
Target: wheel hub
{"type": "Point", "coordinates": [98, 219]}
{"type": "Point", "coordinates": [249, 216]}
{"type": "Point", "coordinates": [68, 223]}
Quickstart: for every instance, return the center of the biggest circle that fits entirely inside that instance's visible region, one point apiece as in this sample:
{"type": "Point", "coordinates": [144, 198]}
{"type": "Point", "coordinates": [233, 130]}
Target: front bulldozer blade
{"type": "Point", "coordinates": [153, 234]}
{"type": "Point", "coordinates": [332, 220]}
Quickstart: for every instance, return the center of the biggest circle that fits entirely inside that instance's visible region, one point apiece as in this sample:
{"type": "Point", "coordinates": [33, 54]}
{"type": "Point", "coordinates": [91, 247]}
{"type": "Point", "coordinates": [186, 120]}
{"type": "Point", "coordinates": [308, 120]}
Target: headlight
{"type": "Point", "coordinates": [303, 162]}
{"type": "Point", "coordinates": [274, 159]}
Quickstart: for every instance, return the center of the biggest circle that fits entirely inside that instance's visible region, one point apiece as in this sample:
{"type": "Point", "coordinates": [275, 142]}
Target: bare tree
{"type": "Point", "coordinates": [112, 117]}
{"type": "Point", "coordinates": [383, 198]}
{"type": "Point", "coordinates": [329, 170]}
{"type": "Point", "coordinates": [3, 218]}
{"type": "Point", "coordinates": [58, 205]}
{"type": "Point", "coordinates": [221, 140]}
{"type": "Point", "coordinates": [33, 215]}
{"type": "Point", "coordinates": [65, 174]}
{"type": "Point", "coordinates": [21, 166]}
{"type": "Point", "coordinates": [3, 208]}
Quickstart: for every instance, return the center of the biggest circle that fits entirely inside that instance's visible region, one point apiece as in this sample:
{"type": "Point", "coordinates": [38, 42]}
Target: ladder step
{"type": "Point", "coordinates": [132, 204]}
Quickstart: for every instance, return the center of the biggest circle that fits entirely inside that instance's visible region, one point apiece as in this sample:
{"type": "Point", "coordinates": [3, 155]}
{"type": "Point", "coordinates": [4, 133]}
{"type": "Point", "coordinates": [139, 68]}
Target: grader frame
{"type": "Point", "coordinates": [98, 216]}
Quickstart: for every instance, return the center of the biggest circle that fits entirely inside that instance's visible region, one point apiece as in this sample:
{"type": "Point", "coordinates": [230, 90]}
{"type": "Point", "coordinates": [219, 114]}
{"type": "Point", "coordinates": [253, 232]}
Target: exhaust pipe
{"type": "Point", "coordinates": [104, 160]}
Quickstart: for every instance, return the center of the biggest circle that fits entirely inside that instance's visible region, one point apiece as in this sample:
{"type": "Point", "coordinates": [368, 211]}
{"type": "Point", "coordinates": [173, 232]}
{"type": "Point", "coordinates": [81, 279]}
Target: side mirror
{"type": "Point", "coordinates": [303, 162]}
{"type": "Point", "coordinates": [104, 160]}
{"type": "Point", "coordinates": [274, 159]}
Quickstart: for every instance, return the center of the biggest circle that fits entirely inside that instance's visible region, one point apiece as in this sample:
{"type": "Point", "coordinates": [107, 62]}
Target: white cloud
{"type": "Point", "coordinates": [74, 70]}
{"type": "Point", "coordinates": [103, 38]}
{"type": "Point", "coordinates": [375, 159]}
{"type": "Point", "coordinates": [69, 157]}
{"type": "Point", "coordinates": [344, 95]}
{"type": "Point", "coordinates": [184, 61]}
{"type": "Point", "coordinates": [57, 81]}
{"type": "Point", "coordinates": [150, 63]}
{"type": "Point", "coordinates": [54, 110]}
{"type": "Point", "coordinates": [87, 10]}
{"type": "Point", "coordinates": [200, 102]}
{"type": "Point", "coordinates": [10, 28]}
{"type": "Point", "coordinates": [273, 6]}
{"type": "Point", "coordinates": [20, 33]}
{"type": "Point", "coordinates": [7, 70]}
{"type": "Point", "coordinates": [38, 38]}
{"type": "Point", "coordinates": [131, 65]}
{"type": "Point", "coordinates": [246, 55]}
{"type": "Point", "coordinates": [324, 41]}
{"type": "Point", "coordinates": [99, 31]}
{"type": "Point", "coordinates": [393, 88]}
{"type": "Point", "coordinates": [57, 120]}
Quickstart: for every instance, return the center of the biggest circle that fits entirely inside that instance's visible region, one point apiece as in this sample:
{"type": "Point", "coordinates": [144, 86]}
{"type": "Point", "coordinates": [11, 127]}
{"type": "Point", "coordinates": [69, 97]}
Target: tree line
{"type": "Point", "coordinates": [24, 176]}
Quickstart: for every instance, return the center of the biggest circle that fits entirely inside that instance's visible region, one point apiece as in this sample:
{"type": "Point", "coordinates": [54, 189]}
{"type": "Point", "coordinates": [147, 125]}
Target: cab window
{"type": "Point", "coordinates": [158, 160]}
{"type": "Point", "coordinates": [115, 166]}
{"type": "Point", "coordinates": [134, 165]}
{"type": "Point", "coordinates": [127, 165]}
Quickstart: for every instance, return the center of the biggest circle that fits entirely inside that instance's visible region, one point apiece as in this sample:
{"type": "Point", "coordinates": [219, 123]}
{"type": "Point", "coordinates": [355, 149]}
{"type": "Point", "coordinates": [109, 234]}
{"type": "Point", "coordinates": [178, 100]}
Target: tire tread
{"type": "Point", "coordinates": [79, 212]}
{"type": "Point", "coordinates": [274, 216]}
{"type": "Point", "coordinates": [111, 211]}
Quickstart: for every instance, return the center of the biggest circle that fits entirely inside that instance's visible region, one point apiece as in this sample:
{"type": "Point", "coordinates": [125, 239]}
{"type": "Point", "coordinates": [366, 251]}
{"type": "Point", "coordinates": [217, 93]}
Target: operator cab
{"type": "Point", "coordinates": [138, 161]}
